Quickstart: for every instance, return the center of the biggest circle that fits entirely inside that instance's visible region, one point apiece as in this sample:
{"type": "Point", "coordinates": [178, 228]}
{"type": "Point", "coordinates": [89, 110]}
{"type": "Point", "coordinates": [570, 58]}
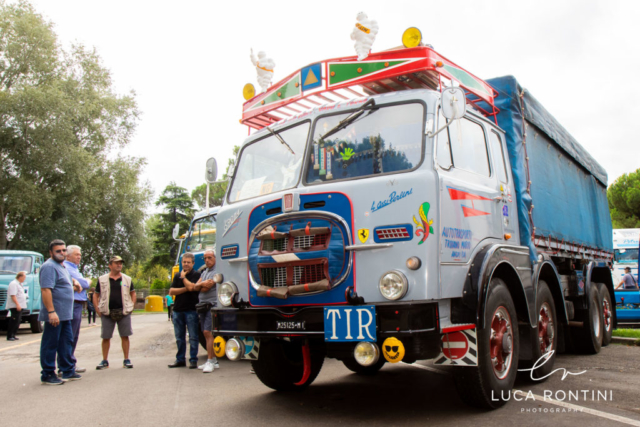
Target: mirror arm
{"type": "Point", "coordinates": [431, 135]}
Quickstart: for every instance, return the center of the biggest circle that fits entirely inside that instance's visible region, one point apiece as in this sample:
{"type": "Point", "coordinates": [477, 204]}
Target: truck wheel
{"type": "Point", "coordinates": [607, 314]}
{"type": "Point", "coordinates": [488, 386]}
{"type": "Point", "coordinates": [545, 336]}
{"type": "Point", "coordinates": [280, 365]}
{"type": "Point", "coordinates": [354, 366]}
{"type": "Point", "coordinates": [588, 338]}
{"type": "Point", "coordinates": [36, 326]}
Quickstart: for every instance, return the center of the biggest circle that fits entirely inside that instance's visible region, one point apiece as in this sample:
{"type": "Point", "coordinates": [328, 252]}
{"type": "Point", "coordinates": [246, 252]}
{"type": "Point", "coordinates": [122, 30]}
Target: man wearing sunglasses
{"type": "Point", "coordinates": [56, 311]}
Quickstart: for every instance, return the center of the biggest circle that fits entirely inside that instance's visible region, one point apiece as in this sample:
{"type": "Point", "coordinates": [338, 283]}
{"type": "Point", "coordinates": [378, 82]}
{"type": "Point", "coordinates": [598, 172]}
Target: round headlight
{"type": "Point", "coordinates": [234, 349]}
{"type": "Point", "coordinates": [225, 293]}
{"type": "Point", "coordinates": [393, 285]}
{"type": "Point", "coordinates": [366, 353]}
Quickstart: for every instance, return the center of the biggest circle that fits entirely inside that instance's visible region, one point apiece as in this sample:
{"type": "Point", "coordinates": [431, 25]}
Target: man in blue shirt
{"type": "Point", "coordinates": [74, 255]}
{"type": "Point", "coordinates": [56, 312]}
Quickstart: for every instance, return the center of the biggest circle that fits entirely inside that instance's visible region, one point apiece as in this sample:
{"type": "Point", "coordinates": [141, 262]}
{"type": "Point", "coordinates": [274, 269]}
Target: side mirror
{"type": "Point", "coordinates": [453, 103]}
{"type": "Point", "coordinates": [176, 232]}
{"type": "Point", "coordinates": [211, 173]}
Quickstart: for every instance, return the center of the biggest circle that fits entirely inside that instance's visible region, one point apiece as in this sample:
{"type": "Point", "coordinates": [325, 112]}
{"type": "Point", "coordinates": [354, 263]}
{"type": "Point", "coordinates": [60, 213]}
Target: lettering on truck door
{"type": "Point", "coordinates": [501, 168]}
{"type": "Point", "coordinates": [469, 210]}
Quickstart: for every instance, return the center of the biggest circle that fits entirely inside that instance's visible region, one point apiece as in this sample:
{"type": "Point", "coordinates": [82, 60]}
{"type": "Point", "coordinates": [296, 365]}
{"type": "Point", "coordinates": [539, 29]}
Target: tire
{"type": "Point", "coordinates": [280, 365]}
{"type": "Point", "coordinates": [588, 338]}
{"type": "Point", "coordinates": [545, 336]}
{"type": "Point", "coordinates": [489, 385]}
{"type": "Point", "coordinates": [36, 326]}
{"type": "Point", "coordinates": [607, 314]}
{"type": "Point", "coordinates": [354, 366]}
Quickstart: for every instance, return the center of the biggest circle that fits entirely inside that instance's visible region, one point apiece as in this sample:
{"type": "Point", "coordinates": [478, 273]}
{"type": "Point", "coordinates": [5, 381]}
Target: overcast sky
{"type": "Point", "coordinates": [188, 61]}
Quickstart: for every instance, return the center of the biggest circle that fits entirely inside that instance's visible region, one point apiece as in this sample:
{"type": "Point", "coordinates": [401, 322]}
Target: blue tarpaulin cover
{"type": "Point", "coordinates": [568, 186]}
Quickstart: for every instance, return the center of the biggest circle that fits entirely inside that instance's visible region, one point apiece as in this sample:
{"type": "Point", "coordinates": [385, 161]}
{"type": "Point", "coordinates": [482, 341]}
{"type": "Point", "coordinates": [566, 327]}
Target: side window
{"type": "Point", "coordinates": [468, 147]}
{"type": "Point", "coordinates": [498, 156]}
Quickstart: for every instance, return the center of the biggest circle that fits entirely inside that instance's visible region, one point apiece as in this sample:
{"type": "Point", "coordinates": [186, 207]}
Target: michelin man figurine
{"type": "Point", "coordinates": [364, 34]}
{"type": "Point", "coordinates": [264, 67]}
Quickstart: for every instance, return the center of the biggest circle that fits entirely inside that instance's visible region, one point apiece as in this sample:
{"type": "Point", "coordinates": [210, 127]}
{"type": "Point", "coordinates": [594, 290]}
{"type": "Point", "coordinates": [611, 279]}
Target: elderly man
{"type": "Point", "coordinates": [208, 294]}
{"type": "Point", "coordinates": [184, 312]}
{"type": "Point", "coordinates": [56, 312]}
{"type": "Point", "coordinates": [74, 255]}
{"type": "Point", "coordinates": [113, 300]}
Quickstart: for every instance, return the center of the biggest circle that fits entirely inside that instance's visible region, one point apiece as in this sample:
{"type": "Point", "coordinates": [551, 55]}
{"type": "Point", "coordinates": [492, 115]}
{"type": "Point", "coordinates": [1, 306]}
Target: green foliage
{"type": "Point", "coordinates": [177, 209]}
{"type": "Point", "coordinates": [60, 121]}
{"type": "Point", "coordinates": [160, 284]}
{"type": "Point", "coordinates": [143, 278]}
{"type": "Point", "coordinates": [217, 191]}
{"type": "Point", "coordinates": [624, 201]}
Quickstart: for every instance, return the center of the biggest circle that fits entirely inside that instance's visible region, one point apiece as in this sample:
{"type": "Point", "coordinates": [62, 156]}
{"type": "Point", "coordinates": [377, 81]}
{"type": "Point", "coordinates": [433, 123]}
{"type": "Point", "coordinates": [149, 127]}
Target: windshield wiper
{"type": "Point", "coordinates": [7, 271]}
{"type": "Point", "coordinates": [282, 141]}
{"type": "Point", "coordinates": [349, 119]}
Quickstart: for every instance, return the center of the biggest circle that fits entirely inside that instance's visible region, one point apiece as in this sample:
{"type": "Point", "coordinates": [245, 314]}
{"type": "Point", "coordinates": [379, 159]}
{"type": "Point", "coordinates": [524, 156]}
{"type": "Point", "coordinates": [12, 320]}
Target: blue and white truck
{"type": "Point", "coordinates": [402, 209]}
{"type": "Point", "coordinates": [12, 262]}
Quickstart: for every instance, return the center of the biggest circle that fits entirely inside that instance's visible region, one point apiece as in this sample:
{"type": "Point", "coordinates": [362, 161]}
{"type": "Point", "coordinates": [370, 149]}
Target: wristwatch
{"type": "Point", "coordinates": [52, 311]}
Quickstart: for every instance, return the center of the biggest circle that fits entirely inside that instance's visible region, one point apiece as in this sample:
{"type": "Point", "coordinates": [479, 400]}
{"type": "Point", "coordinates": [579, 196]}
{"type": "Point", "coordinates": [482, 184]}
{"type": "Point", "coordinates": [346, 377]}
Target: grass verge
{"type": "Point", "coordinates": [627, 333]}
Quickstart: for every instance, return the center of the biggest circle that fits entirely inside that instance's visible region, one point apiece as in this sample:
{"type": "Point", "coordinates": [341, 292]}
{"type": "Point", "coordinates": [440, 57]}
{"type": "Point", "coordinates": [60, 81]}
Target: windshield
{"type": "Point", "coordinates": [267, 165]}
{"type": "Point", "coordinates": [202, 235]}
{"type": "Point", "coordinates": [14, 264]}
{"type": "Point", "coordinates": [626, 255]}
{"type": "Point", "coordinates": [382, 140]}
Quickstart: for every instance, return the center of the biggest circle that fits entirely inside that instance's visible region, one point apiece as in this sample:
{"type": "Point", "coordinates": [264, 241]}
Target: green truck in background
{"type": "Point", "coordinates": [12, 262]}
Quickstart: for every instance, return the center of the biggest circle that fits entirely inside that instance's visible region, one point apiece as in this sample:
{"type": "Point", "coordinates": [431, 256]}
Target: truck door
{"type": "Point", "coordinates": [498, 154]}
{"type": "Point", "coordinates": [470, 212]}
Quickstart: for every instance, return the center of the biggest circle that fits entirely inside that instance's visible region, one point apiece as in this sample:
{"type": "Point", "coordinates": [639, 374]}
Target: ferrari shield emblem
{"type": "Point", "coordinates": [363, 234]}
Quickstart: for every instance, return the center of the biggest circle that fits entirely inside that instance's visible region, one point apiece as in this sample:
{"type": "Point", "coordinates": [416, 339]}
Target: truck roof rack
{"type": "Point", "coordinates": [341, 79]}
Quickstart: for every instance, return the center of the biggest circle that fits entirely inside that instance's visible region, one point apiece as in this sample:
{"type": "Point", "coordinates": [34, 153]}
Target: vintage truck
{"type": "Point", "coordinates": [12, 262]}
{"type": "Point", "coordinates": [400, 208]}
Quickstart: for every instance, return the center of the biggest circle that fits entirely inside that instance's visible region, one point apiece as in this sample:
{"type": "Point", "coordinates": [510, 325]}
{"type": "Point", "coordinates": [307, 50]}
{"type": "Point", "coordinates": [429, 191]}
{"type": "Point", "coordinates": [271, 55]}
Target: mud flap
{"type": "Point", "coordinates": [251, 348]}
{"type": "Point", "coordinates": [458, 349]}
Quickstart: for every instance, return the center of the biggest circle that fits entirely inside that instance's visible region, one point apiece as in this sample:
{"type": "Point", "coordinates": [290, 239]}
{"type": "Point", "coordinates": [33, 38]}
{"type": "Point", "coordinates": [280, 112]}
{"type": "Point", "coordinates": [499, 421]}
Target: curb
{"type": "Point", "coordinates": [625, 340]}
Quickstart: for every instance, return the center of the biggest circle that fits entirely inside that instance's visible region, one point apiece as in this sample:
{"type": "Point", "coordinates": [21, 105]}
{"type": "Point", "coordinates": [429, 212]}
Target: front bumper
{"type": "Point", "coordinates": [415, 324]}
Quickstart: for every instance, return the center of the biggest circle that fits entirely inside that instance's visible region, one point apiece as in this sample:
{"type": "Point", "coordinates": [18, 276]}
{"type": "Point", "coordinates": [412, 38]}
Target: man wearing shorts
{"type": "Point", "coordinates": [113, 300]}
{"type": "Point", "coordinates": [208, 293]}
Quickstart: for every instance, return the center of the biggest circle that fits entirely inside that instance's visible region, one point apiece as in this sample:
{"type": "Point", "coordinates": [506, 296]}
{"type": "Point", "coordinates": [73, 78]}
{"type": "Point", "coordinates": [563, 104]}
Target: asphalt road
{"type": "Point", "coordinates": [419, 394]}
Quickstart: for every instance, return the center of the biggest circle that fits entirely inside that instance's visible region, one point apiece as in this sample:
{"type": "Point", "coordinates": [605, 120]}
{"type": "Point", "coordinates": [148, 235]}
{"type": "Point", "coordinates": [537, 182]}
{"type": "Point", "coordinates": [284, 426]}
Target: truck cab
{"type": "Point", "coordinates": [200, 237]}
{"type": "Point", "coordinates": [12, 262]}
{"type": "Point", "coordinates": [625, 249]}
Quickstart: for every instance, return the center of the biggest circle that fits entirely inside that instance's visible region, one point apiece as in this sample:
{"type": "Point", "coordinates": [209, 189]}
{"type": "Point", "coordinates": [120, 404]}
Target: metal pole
{"type": "Point", "coordinates": [207, 198]}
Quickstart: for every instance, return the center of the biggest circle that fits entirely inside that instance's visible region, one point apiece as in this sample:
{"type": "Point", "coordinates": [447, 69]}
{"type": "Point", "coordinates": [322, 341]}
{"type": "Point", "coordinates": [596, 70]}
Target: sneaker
{"type": "Point", "coordinates": [52, 380]}
{"type": "Point", "coordinates": [193, 365]}
{"type": "Point", "coordinates": [252, 371]}
{"type": "Point", "coordinates": [74, 377]}
{"type": "Point", "coordinates": [208, 367]}
{"type": "Point", "coordinates": [201, 367]}
{"type": "Point", "coordinates": [127, 364]}
{"type": "Point", "coordinates": [16, 338]}
{"type": "Point", "coordinates": [102, 365]}
{"type": "Point", "coordinates": [216, 365]}
{"type": "Point", "coordinates": [11, 339]}
{"type": "Point", "coordinates": [80, 370]}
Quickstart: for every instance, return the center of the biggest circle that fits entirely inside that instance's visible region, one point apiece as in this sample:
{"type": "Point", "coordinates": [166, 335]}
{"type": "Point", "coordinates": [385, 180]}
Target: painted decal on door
{"type": "Point", "coordinates": [424, 227]}
{"type": "Point", "coordinates": [467, 211]}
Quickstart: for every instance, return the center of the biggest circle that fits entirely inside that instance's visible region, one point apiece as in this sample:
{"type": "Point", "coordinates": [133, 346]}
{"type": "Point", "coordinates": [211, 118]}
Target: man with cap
{"type": "Point", "coordinates": [628, 280]}
{"type": "Point", "coordinates": [113, 299]}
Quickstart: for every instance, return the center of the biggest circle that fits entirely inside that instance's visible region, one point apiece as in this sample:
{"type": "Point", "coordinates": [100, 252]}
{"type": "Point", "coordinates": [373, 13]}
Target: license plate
{"type": "Point", "coordinates": [344, 324]}
{"type": "Point", "coordinates": [283, 325]}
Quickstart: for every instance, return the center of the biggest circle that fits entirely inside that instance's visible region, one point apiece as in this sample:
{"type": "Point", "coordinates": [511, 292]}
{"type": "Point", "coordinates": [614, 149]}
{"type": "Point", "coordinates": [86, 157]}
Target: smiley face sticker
{"type": "Point", "coordinates": [393, 350]}
{"type": "Point", "coordinates": [219, 345]}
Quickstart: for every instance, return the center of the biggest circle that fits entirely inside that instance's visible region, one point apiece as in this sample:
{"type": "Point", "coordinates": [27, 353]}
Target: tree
{"type": "Point", "coordinates": [178, 209]}
{"type": "Point", "coordinates": [624, 201]}
{"type": "Point", "coordinates": [60, 122]}
{"type": "Point", "coordinates": [218, 190]}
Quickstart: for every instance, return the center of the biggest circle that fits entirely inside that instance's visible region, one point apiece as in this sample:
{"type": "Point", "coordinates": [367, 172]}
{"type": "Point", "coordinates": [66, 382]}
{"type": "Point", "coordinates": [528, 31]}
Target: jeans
{"type": "Point", "coordinates": [75, 326]}
{"type": "Point", "coordinates": [183, 320]}
{"type": "Point", "coordinates": [14, 323]}
{"type": "Point", "coordinates": [57, 341]}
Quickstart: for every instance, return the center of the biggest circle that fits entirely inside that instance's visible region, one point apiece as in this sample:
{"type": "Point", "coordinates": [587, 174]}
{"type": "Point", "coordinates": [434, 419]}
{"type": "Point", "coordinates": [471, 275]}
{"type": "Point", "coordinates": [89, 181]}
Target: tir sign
{"type": "Point", "coordinates": [287, 202]}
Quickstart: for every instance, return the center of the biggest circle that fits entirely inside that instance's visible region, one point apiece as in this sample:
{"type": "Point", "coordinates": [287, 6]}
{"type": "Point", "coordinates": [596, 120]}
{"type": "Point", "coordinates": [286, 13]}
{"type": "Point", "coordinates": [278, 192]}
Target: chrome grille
{"type": "Point", "coordinates": [303, 274]}
{"type": "Point", "coordinates": [3, 297]}
{"type": "Point", "coordinates": [305, 242]}
{"type": "Point", "coordinates": [274, 276]}
{"type": "Point", "coordinates": [274, 245]}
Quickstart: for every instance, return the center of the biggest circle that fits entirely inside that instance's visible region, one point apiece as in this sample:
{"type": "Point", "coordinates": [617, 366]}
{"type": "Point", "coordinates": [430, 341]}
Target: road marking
{"type": "Point", "coordinates": [427, 368]}
{"type": "Point", "coordinates": [31, 342]}
{"type": "Point", "coordinates": [583, 409]}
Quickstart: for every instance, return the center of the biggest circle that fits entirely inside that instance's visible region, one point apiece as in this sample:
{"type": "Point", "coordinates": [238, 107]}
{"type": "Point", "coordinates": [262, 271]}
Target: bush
{"type": "Point", "coordinates": [160, 284]}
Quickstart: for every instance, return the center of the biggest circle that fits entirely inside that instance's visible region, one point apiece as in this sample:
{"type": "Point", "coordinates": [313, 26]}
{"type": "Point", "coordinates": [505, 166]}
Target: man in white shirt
{"type": "Point", "coordinates": [16, 303]}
